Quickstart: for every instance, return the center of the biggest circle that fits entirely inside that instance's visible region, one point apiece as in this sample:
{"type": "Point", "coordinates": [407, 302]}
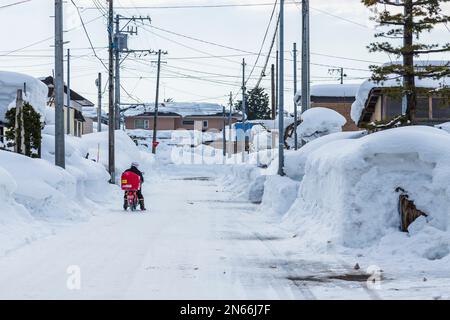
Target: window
{"type": "Point", "coordinates": [141, 124]}
{"type": "Point", "coordinates": [441, 108]}
{"type": "Point", "coordinates": [393, 107]}
{"type": "Point", "coordinates": [188, 122]}
{"type": "Point", "coordinates": [205, 124]}
{"type": "Point", "coordinates": [423, 108]}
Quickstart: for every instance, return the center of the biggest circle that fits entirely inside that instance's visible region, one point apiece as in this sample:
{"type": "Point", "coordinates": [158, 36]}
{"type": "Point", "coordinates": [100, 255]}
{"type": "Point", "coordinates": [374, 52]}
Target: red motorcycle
{"type": "Point", "coordinates": [131, 183]}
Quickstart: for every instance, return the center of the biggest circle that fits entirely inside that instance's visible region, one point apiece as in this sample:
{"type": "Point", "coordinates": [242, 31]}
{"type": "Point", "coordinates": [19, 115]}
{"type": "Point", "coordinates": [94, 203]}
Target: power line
{"type": "Point", "coordinates": [264, 40]}
{"type": "Point", "coordinates": [88, 37]}
{"type": "Point", "coordinates": [14, 4]}
{"type": "Point", "coordinates": [206, 6]}
{"type": "Point", "coordinates": [44, 40]}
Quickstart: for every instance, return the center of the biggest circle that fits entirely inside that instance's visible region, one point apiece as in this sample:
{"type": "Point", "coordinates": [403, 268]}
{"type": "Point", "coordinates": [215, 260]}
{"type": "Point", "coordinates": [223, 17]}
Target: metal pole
{"type": "Point", "coordinates": [111, 105]}
{"type": "Point", "coordinates": [305, 57]}
{"type": "Point", "coordinates": [155, 117]}
{"type": "Point", "coordinates": [18, 148]}
{"type": "Point", "coordinates": [342, 75]}
{"type": "Point", "coordinates": [117, 78]}
{"type": "Point", "coordinates": [224, 136]}
{"type": "Point", "coordinates": [295, 103]}
{"type": "Point", "coordinates": [244, 110]}
{"type": "Point", "coordinates": [59, 86]}
{"type": "Point", "coordinates": [99, 103]}
{"type": "Point", "coordinates": [273, 92]}
{"type": "Point", "coordinates": [281, 95]}
{"type": "Point", "coordinates": [68, 93]}
{"type": "Point", "coordinates": [230, 140]}
{"type": "Point", "coordinates": [277, 70]}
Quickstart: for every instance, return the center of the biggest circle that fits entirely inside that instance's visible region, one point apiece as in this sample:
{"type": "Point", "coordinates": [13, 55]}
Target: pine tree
{"type": "Point", "coordinates": [32, 130]}
{"type": "Point", "coordinates": [407, 20]}
{"type": "Point", "coordinates": [257, 101]}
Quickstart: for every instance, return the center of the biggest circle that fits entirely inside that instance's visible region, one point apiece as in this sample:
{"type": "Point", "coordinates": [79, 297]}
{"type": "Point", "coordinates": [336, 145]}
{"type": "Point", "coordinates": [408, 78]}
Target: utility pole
{"type": "Point", "coordinates": [99, 102]}
{"type": "Point", "coordinates": [117, 76]}
{"type": "Point", "coordinates": [224, 136]}
{"type": "Point", "coordinates": [68, 93]}
{"type": "Point", "coordinates": [121, 46]}
{"type": "Point", "coordinates": [273, 92]}
{"type": "Point", "coordinates": [295, 102]}
{"type": "Point", "coordinates": [306, 89]}
{"type": "Point", "coordinates": [277, 71]}
{"type": "Point", "coordinates": [59, 86]}
{"type": "Point", "coordinates": [155, 116]}
{"type": "Point", "coordinates": [244, 110]}
{"type": "Point", "coordinates": [18, 126]}
{"type": "Point", "coordinates": [340, 72]}
{"type": "Point", "coordinates": [111, 105]}
{"type": "Point", "coordinates": [281, 95]}
{"type": "Point", "coordinates": [230, 140]}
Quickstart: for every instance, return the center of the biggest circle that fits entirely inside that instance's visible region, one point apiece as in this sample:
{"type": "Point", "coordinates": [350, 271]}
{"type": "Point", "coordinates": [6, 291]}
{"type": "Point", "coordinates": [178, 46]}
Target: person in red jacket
{"type": "Point", "coordinates": [134, 168]}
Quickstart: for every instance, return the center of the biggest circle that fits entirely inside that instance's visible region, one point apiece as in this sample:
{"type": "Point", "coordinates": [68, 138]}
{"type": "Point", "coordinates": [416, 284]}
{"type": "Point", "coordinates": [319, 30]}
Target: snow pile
{"type": "Point", "coordinates": [295, 160]}
{"type": "Point", "coordinates": [279, 195]}
{"type": "Point", "coordinates": [17, 227]}
{"type": "Point", "coordinates": [444, 126]}
{"type": "Point", "coordinates": [317, 122]}
{"type": "Point", "coordinates": [36, 92]}
{"type": "Point", "coordinates": [262, 139]}
{"type": "Point", "coordinates": [45, 190]}
{"type": "Point", "coordinates": [347, 195]}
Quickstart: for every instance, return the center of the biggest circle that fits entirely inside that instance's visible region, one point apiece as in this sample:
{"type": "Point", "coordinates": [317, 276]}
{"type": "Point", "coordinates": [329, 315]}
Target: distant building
{"type": "Point", "coordinates": [338, 97]}
{"type": "Point", "coordinates": [79, 125]}
{"type": "Point", "coordinates": [174, 116]}
{"type": "Point", "coordinates": [375, 103]}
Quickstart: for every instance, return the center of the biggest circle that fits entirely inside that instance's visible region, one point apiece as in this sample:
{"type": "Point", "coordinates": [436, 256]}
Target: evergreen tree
{"type": "Point", "coordinates": [257, 101]}
{"type": "Point", "coordinates": [406, 21]}
{"type": "Point", "coordinates": [32, 130]}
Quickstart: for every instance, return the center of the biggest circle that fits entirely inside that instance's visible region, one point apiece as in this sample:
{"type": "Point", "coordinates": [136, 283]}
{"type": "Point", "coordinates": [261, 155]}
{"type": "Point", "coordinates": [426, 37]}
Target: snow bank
{"type": "Point", "coordinates": [295, 160]}
{"type": "Point", "coordinates": [17, 227]}
{"type": "Point", "coordinates": [36, 92]}
{"type": "Point", "coordinates": [444, 126]}
{"type": "Point", "coordinates": [347, 195]}
{"type": "Point", "coordinates": [317, 122]}
{"type": "Point", "coordinates": [279, 195]}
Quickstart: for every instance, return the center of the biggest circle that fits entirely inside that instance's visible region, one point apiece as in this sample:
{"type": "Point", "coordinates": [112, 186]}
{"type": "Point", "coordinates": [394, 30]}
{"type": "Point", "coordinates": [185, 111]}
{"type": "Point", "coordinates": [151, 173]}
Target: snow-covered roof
{"type": "Point", "coordinates": [184, 109]}
{"type": "Point", "coordinates": [367, 86]}
{"type": "Point", "coordinates": [10, 82]}
{"type": "Point", "coordinates": [91, 112]}
{"type": "Point", "coordinates": [422, 63]}
{"type": "Point", "coordinates": [331, 90]}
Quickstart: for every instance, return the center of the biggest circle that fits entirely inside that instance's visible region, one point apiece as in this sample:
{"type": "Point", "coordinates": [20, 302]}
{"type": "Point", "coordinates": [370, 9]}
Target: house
{"type": "Point", "coordinates": [78, 123]}
{"type": "Point", "coordinates": [33, 91]}
{"type": "Point", "coordinates": [90, 115]}
{"type": "Point", "coordinates": [175, 116]}
{"type": "Point", "coordinates": [338, 97]}
{"type": "Point", "coordinates": [375, 103]}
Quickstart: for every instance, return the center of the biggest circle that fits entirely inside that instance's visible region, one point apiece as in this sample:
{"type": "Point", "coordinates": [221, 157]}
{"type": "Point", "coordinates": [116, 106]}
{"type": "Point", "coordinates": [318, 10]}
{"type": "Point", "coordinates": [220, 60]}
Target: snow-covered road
{"type": "Point", "coordinates": [192, 243]}
{"type": "Point", "coordinates": [197, 241]}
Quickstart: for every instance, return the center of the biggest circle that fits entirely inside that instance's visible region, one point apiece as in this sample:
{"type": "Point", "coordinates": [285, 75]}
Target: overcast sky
{"type": "Point", "coordinates": [340, 32]}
